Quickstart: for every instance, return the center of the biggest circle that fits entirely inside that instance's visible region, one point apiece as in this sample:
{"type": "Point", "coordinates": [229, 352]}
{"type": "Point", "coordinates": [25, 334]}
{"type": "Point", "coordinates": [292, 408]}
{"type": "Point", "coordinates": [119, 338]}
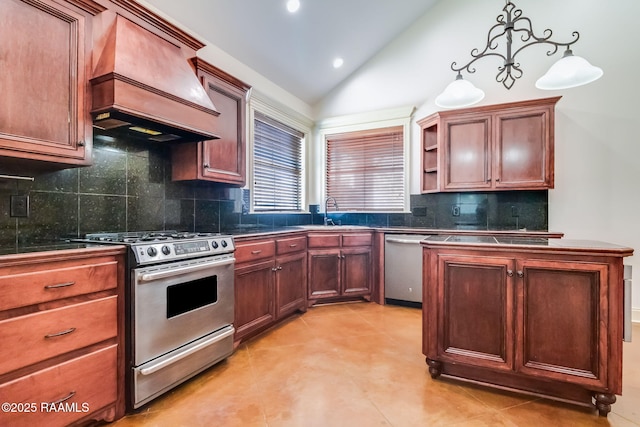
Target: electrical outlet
{"type": "Point", "coordinates": [514, 211]}
{"type": "Point", "coordinates": [20, 206]}
{"type": "Point", "coordinates": [455, 210]}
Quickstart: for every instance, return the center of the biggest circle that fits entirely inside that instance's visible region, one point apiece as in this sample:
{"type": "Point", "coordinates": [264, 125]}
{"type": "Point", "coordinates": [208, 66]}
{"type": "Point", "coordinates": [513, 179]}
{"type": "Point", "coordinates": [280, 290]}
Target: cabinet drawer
{"type": "Point", "coordinates": [294, 244]}
{"type": "Point", "coordinates": [253, 251]}
{"type": "Point", "coordinates": [323, 240]}
{"type": "Point", "coordinates": [91, 379]}
{"type": "Point", "coordinates": [360, 239]}
{"type": "Point", "coordinates": [39, 336]}
{"type": "Point", "coordinates": [35, 285]}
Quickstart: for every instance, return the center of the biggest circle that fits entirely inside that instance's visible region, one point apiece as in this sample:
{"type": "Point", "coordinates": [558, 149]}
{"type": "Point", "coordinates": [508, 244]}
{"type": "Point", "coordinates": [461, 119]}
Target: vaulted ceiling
{"type": "Point", "coordinates": [296, 50]}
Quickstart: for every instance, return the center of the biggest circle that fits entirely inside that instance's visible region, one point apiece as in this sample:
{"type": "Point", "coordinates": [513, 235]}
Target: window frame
{"type": "Point", "coordinates": [263, 105]}
{"type": "Point", "coordinates": [367, 122]}
{"type": "Point", "coordinates": [365, 169]}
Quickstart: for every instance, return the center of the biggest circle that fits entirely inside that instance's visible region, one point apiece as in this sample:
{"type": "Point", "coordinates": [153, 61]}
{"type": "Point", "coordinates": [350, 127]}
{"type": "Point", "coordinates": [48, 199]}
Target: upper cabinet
{"type": "Point", "coordinates": [45, 58]}
{"type": "Point", "coordinates": [219, 160]}
{"type": "Point", "coordinates": [497, 147]}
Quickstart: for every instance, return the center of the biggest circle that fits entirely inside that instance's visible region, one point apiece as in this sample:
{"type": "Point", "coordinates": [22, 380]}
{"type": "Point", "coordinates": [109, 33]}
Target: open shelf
{"type": "Point", "coordinates": [429, 142]}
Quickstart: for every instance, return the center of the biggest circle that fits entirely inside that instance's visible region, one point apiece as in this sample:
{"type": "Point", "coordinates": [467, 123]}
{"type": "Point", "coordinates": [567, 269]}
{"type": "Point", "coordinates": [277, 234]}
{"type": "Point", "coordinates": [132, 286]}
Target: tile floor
{"type": "Point", "coordinates": [360, 365]}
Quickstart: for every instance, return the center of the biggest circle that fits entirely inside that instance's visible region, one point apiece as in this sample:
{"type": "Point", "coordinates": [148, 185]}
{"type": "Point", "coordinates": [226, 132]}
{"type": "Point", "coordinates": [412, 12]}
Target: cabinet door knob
{"type": "Point", "coordinates": [81, 143]}
{"type": "Point", "coordinates": [510, 273]}
{"type": "Point", "coordinates": [520, 274]}
{"type": "Point", "coordinates": [206, 166]}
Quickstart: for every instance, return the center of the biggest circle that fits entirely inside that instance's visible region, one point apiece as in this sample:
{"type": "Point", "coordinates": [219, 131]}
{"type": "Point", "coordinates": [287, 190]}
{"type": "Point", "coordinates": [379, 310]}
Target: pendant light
{"type": "Point", "coordinates": [569, 71]}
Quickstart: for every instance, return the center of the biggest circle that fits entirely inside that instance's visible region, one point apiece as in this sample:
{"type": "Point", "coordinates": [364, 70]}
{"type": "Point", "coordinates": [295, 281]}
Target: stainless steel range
{"type": "Point", "coordinates": [180, 302]}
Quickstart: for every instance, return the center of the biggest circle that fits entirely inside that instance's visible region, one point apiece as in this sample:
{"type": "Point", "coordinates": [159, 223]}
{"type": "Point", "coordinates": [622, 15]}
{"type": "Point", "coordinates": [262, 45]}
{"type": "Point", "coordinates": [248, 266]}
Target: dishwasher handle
{"type": "Point", "coordinates": [403, 241]}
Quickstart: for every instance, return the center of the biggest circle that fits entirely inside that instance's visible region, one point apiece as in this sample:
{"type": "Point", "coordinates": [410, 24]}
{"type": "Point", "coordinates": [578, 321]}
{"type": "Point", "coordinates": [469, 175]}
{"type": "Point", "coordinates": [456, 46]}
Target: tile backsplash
{"type": "Point", "coordinates": [129, 188]}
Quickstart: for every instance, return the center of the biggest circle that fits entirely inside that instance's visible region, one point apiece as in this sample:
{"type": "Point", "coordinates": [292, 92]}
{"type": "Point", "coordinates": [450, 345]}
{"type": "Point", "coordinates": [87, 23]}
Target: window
{"type": "Point", "coordinates": [365, 170]}
{"type": "Point", "coordinates": [277, 165]}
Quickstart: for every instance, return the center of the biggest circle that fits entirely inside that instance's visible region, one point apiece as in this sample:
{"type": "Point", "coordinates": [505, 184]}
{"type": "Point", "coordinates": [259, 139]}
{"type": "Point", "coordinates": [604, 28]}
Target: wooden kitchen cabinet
{"type": "Point", "coordinates": [340, 266]}
{"type": "Point", "coordinates": [44, 120]}
{"type": "Point", "coordinates": [496, 147]}
{"type": "Point", "coordinates": [219, 160]}
{"type": "Point", "coordinates": [545, 321]}
{"type": "Point", "coordinates": [270, 282]}
{"type": "Point", "coordinates": [254, 298]}
{"type": "Point", "coordinates": [61, 324]}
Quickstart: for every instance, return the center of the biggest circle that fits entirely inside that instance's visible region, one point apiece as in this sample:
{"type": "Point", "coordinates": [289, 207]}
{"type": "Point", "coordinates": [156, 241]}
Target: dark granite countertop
{"type": "Point", "coordinates": [48, 247]}
{"type": "Point", "coordinates": [248, 232]}
{"type": "Point", "coordinates": [534, 243]}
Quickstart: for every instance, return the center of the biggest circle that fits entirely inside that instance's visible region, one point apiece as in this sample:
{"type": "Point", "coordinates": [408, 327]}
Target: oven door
{"type": "Point", "coordinates": [180, 302]}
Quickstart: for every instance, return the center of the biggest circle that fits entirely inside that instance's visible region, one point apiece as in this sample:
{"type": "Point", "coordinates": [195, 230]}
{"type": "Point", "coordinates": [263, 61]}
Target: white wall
{"type": "Point", "coordinates": [597, 165]}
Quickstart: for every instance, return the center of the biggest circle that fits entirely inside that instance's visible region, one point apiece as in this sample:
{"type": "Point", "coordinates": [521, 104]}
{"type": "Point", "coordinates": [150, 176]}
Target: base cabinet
{"type": "Point", "coordinates": [340, 266]}
{"type": "Point", "coordinates": [270, 282]}
{"type": "Point", "coordinates": [291, 275]}
{"type": "Point", "coordinates": [254, 305]}
{"type": "Point", "coordinates": [535, 322]}
{"type": "Point", "coordinates": [61, 325]}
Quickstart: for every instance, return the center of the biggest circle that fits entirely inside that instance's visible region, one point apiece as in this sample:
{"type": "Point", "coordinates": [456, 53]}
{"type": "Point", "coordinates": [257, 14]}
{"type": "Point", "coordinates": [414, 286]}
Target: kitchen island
{"type": "Point", "coordinates": [539, 315]}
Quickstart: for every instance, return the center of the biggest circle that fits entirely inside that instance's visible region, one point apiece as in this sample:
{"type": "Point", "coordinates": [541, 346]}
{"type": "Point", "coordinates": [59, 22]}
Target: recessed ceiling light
{"type": "Point", "coordinates": [337, 63]}
{"type": "Point", "coordinates": [293, 5]}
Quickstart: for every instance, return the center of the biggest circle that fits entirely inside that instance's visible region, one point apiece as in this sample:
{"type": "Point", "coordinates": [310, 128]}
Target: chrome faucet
{"type": "Point", "coordinates": [329, 221]}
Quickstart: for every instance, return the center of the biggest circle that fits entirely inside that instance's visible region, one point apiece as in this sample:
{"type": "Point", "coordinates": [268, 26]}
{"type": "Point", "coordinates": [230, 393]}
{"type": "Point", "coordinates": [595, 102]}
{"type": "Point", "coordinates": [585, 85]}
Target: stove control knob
{"type": "Point", "coordinates": [166, 250]}
{"type": "Point", "coordinates": [224, 243]}
{"type": "Point", "coordinates": [152, 251]}
{"type": "Point", "coordinates": [214, 244]}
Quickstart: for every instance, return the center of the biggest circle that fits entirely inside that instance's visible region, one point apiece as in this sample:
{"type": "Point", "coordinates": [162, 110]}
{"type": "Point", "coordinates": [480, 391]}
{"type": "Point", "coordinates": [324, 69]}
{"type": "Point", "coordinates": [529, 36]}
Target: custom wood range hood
{"type": "Point", "coordinates": [143, 86]}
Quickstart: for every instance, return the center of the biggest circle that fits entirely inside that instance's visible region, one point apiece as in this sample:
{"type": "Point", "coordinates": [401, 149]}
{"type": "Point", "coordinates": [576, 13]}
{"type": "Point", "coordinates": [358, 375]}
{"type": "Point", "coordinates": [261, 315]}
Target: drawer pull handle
{"type": "Point", "coordinates": [64, 399]}
{"type": "Point", "coordinates": [61, 333]}
{"type": "Point", "coordinates": [256, 252]}
{"type": "Point", "coordinates": [293, 245]}
{"type": "Point", "coordinates": [60, 285]}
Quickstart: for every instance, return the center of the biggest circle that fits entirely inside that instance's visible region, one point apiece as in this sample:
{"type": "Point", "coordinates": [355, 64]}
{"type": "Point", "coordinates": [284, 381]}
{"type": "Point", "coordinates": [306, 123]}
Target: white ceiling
{"type": "Point", "coordinates": [296, 51]}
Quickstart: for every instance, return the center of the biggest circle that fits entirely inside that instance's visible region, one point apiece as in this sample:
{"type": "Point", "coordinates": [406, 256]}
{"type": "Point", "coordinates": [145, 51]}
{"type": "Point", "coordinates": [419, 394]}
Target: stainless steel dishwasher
{"type": "Point", "coordinates": [403, 269]}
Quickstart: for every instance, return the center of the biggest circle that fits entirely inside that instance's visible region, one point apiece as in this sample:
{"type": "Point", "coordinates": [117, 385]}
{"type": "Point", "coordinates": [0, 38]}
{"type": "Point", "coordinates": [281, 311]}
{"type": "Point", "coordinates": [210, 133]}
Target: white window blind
{"type": "Point", "coordinates": [277, 166]}
{"type": "Point", "coordinates": [365, 170]}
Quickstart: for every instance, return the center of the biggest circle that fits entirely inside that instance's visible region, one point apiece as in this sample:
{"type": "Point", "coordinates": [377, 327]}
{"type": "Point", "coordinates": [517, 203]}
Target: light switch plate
{"type": "Point", "coordinates": [20, 206]}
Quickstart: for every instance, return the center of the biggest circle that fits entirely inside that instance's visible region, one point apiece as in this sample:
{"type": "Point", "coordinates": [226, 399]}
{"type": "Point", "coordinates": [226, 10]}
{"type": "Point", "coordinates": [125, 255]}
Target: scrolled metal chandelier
{"type": "Point", "coordinates": [569, 71]}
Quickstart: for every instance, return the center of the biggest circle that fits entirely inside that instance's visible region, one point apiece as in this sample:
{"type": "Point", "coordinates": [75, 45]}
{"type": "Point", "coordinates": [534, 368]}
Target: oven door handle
{"type": "Point", "coordinates": [230, 330]}
{"type": "Point", "coordinates": [149, 277]}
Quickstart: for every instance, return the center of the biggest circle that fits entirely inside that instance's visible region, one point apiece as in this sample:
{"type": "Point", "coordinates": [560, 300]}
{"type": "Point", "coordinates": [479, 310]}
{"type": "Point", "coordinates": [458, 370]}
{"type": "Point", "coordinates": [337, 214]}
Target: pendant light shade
{"type": "Point", "coordinates": [459, 93]}
{"type": "Point", "coordinates": [570, 71]}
